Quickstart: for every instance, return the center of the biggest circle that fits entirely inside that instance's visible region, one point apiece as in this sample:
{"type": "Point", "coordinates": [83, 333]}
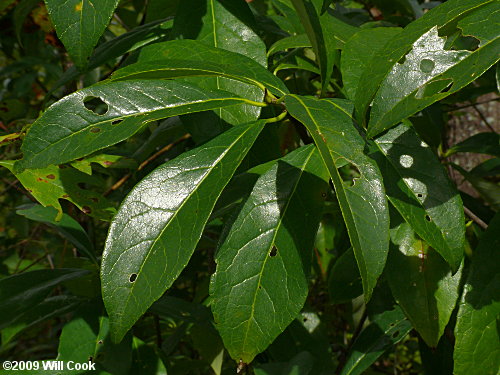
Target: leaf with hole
{"type": "Point", "coordinates": [363, 202]}
{"type": "Point", "coordinates": [382, 64]}
{"type": "Point", "coordinates": [477, 326]}
{"type": "Point", "coordinates": [407, 87]}
{"type": "Point", "coordinates": [186, 58]}
{"type": "Point", "coordinates": [422, 283]}
{"type": "Point", "coordinates": [260, 283]}
{"type": "Point", "coordinates": [158, 225]}
{"type": "Point", "coordinates": [79, 24]}
{"type": "Point", "coordinates": [50, 184]}
{"type": "Point", "coordinates": [418, 186]}
{"type": "Point", "coordinates": [72, 128]}
{"type": "Point", "coordinates": [384, 331]}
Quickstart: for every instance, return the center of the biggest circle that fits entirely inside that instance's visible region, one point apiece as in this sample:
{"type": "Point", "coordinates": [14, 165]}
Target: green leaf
{"type": "Point", "coordinates": [79, 24]}
{"type": "Point", "coordinates": [86, 338]}
{"type": "Point", "coordinates": [185, 58]}
{"type": "Point", "coordinates": [364, 204]}
{"type": "Point", "coordinates": [407, 83]}
{"type": "Point", "coordinates": [344, 281]}
{"type": "Point", "coordinates": [106, 161]}
{"type": "Point", "coordinates": [49, 308]}
{"type": "Point", "coordinates": [68, 130]}
{"type": "Point", "coordinates": [477, 327]}
{"type": "Point", "coordinates": [422, 283]}
{"type": "Point", "coordinates": [294, 41]}
{"type": "Point", "coordinates": [263, 263]}
{"type": "Point", "coordinates": [385, 331]}
{"type": "Point", "coordinates": [358, 52]}
{"type": "Point", "coordinates": [128, 42]}
{"type": "Point", "coordinates": [68, 227]}
{"type": "Point", "coordinates": [50, 184]}
{"type": "Point", "coordinates": [382, 63]}
{"type": "Point", "coordinates": [21, 292]}
{"type": "Point", "coordinates": [326, 34]}
{"type": "Point", "coordinates": [489, 190]}
{"type": "Point", "coordinates": [145, 359]}
{"type": "Point", "coordinates": [418, 186]}
{"type": "Point", "coordinates": [490, 167]}
{"type": "Point", "coordinates": [482, 143]}
{"type": "Point", "coordinates": [151, 240]}
{"type": "Point", "coordinates": [223, 24]}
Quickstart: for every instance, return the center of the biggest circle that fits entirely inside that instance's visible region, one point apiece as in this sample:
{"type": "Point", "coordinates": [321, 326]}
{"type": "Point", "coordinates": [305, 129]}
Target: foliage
{"type": "Point", "coordinates": [211, 186]}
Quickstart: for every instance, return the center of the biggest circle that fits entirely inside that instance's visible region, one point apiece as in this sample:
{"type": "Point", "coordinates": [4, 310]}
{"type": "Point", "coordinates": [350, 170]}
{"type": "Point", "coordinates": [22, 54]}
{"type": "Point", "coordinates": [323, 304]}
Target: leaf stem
{"type": "Point", "coordinates": [280, 117]}
{"type": "Point", "coordinates": [254, 103]}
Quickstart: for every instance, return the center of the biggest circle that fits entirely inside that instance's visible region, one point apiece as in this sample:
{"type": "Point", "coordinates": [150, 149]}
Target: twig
{"type": "Point", "coordinates": [475, 218]}
{"type": "Point", "coordinates": [159, 340]}
{"type": "Point", "coordinates": [473, 104]}
{"type": "Point", "coordinates": [483, 118]}
{"type": "Point", "coordinates": [124, 179]}
{"type": "Point", "coordinates": [353, 339]}
{"type": "Point", "coordinates": [37, 260]}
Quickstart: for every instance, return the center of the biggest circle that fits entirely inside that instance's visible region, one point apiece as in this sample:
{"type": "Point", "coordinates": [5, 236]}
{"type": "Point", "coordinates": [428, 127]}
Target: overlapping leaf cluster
{"type": "Point", "coordinates": [355, 154]}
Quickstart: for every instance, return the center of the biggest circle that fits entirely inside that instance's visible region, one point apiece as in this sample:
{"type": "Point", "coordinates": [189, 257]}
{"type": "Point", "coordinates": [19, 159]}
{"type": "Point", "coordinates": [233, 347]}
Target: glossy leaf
{"type": "Point", "coordinates": [68, 130]}
{"type": "Point", "coordinates": [50, 184]}
{"type": "Point", "coordinates": [482, 143]}
{"type": "Point", "coordinates": [21, 292]}
{"type": "Point", "coordinates": [418, 186]}
{"type": "Point", "coordinates": [385, 331]}
{"type": "Point", "coordinates": [260, 283]}
{"type": "Point", "coordinates": [358, 52]}
{"type": "Point", "coordinates": [396, 49]}
{"type": "Point", "coordinates": [477, 346]}
{"type": "Point", "coordinates": [223, 24]}
{"type": "Point", "coordinates": [185, 58]}
{"type": "Point", "coordinates": [151, 240]}
{"type": "Point", "coordinates": [364, 204]}
{"type": "Point", "coordinates": [68, 227]}
{"type": "Point", "coordinates": [422, 283]}
{"type": "Point", "coordinates": [409, 81]}
{"type": "Point", "coordinates": [79, 24]}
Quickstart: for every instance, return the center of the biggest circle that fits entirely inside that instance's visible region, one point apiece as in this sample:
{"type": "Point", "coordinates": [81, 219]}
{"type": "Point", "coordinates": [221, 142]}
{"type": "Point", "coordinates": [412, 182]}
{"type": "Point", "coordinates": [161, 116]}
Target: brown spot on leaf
{"type": "Point", "coordinates": [86, 209]}
{"type": "Point", "coordinates": [95, 130]}
{"type": "Point", "coordinates": [51, 176]}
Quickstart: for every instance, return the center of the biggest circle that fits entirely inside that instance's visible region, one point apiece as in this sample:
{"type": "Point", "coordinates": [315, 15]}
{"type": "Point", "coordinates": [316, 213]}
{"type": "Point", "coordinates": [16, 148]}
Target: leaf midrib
{"type": "Point", "coordinates": [172, 218]}
{"type": "Point", "coordinates": [132, 115]}
{"type": "Point", "coordinates": [278, 226]}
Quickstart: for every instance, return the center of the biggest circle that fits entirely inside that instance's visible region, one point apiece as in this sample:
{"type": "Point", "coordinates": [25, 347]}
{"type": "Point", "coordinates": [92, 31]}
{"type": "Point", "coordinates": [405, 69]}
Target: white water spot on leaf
{"type": "Point", "coordinates": [406, 161]}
